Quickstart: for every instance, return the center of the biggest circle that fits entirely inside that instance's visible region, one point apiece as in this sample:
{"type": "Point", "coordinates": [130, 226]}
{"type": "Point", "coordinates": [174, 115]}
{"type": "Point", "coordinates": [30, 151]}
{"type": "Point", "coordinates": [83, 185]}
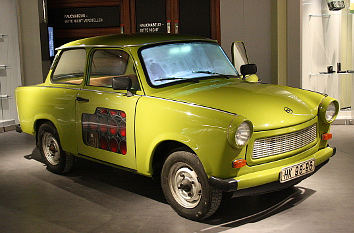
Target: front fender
{"type": "Point", "coordinates": [202, 129]}
{"type": "Point", "coordinates": [168, 136]}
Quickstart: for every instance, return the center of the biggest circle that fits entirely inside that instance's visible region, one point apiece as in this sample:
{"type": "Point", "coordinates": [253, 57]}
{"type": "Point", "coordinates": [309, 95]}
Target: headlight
{"type": "Point", "coordinates": [239, 132]}
{"type": "Point", "coordinates": [243, 133]}
{"type": "Point", "coordinates": [330, 112]}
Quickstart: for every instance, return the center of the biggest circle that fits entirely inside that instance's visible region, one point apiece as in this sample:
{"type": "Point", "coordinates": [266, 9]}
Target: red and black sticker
{"type": "Point", "coordinates": [106, 130]}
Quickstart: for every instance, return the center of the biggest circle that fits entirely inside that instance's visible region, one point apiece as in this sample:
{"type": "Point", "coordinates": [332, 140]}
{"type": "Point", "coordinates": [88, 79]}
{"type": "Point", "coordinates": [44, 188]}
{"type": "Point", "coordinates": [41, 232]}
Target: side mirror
{"type": "Point", "coordinates": [248, 69]}
{"type": "Point", "coordinates": [241, 62]}
{"type": "Point", "coordinates": [252, 78]}
{"type": "Point", "coordinates": [239, 54]}
{"type": "Point", "coordinates": [121, 83]}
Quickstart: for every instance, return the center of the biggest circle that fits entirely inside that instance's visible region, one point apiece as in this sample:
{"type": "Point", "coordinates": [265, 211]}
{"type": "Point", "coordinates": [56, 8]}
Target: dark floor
{"type": "Point", "coordinates": [95, 198]}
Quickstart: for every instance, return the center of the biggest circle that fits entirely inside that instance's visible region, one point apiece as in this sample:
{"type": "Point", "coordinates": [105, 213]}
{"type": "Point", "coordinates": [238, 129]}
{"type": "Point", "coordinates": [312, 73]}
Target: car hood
{"type": "Point", "coordinates": [266, 106]}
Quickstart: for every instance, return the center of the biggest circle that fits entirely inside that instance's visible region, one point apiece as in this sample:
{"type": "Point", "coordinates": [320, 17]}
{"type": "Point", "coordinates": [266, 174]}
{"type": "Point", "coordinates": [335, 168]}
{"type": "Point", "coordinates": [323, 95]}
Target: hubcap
{"type": "Point", "coordinates": [51, 149]}
{"type": "Point", "coordinates": [184, 185]}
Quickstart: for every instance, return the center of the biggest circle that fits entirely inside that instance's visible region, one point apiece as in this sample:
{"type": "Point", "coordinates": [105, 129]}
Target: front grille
{"type": "Point", "coordinates": [281, 144]}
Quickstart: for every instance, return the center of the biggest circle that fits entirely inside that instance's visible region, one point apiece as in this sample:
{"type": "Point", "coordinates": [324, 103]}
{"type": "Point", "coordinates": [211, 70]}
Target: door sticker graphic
{"type": "Point", "coordinates": [105, 129]}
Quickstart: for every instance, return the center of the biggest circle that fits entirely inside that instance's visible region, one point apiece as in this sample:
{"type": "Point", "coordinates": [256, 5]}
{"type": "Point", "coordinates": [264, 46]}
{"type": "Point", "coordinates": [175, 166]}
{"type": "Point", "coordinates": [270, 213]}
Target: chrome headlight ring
{"type": "Point", "coordinates": [243, 134]}
{"type": "Point", "coordinates": [328, 110]}
{"type": "Point", "coordinates": [239, 132]}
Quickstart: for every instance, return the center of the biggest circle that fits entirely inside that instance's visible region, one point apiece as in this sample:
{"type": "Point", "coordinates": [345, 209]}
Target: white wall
{"type": "Point", "coordinates": [21, 50]}
{"type": "Point", "coordinates": [10, 56]}
{"type": "Point", "coordinates": [30, 41]}
{"type": "Point", "coordinates": [320, 39]}
{"type": "Point", "coordinates": [294, 43]}
{"type": "Point", "coordinates": [251, 22]}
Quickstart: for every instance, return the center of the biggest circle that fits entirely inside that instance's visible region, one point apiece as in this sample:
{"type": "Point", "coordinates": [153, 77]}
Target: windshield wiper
{"type": "Point", "coordinates": [176, 78]}
{"type": "Point", "coordinates": [204, 72]}
{"type": "Point", "coordinates": [210, 72]}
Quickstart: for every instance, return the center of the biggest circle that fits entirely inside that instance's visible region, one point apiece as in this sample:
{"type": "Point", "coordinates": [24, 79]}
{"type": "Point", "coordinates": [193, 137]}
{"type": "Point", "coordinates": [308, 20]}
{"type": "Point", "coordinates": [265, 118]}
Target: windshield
{"type": "Point", "coordinates": [188, 61]}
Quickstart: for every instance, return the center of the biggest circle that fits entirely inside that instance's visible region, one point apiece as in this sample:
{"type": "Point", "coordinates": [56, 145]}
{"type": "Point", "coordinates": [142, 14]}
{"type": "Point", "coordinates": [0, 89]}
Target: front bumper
{"type": "Point", "coordinates": [267, 180]}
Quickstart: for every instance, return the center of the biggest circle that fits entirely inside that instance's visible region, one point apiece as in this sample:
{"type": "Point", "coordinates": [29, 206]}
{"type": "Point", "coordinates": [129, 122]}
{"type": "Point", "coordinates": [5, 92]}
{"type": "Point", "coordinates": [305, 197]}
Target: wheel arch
{"type": "Point", "coordinates": [38, 122]}
{"type": "Point", "coordinates": [161, 151]}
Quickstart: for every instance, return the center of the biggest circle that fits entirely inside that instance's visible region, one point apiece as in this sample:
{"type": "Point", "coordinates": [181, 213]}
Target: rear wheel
{"type": "Point", "coordinates": [186, 186]}
{"type": "Point", "coordinates": [54, 157]}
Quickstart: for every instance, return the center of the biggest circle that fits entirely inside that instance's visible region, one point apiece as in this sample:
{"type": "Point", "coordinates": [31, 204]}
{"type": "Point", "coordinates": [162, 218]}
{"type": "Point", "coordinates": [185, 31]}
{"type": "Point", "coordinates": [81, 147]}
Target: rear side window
{"type": "Point", "coordinates": [71, 67]}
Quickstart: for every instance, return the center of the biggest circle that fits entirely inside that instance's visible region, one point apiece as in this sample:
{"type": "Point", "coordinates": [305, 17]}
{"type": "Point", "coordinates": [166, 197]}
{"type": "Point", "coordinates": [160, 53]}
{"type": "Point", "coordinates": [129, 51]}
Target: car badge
{"type": "Point", "coordinates": [288, 110]}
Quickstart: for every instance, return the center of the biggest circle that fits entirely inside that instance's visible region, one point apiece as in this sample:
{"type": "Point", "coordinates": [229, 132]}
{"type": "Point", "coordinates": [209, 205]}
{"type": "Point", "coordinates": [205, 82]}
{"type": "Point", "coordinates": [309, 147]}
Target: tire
{"type": "Point", "coordinates": [186, 187]}
{"type": "Point", "coordinates": [56, 160]}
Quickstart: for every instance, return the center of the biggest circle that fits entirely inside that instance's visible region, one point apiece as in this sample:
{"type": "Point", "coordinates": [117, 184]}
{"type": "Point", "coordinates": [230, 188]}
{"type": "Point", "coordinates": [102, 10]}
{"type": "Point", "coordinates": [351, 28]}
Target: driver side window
{"type": "Point", "coordinates": [109, 63]}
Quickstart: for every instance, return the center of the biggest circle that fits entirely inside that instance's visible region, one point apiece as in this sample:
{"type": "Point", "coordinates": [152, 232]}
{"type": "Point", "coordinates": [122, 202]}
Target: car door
{"type": "Point", "coordinates": [105, 117]}
{"type": "Point", "coordinates": [66, 79]}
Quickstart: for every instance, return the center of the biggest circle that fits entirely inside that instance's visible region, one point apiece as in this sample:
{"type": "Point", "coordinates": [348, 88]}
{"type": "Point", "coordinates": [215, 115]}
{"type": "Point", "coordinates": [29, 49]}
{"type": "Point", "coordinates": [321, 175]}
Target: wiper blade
{"type": "Point", "coordinates": [176, 78]}
{"type": "Point", "coordinates": [215, 73]}
{"type": "Point", "coordinates": [204, 72]}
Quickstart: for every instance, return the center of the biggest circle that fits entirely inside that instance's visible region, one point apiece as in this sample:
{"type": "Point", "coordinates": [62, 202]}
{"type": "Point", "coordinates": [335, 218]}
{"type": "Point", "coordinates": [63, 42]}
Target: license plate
{"type": "Point", "coordinates": [297, 170]}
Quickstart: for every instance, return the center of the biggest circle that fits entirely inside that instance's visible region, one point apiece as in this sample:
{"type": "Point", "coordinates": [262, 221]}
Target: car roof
{"type": "Point", "coordinates": [124, 40]}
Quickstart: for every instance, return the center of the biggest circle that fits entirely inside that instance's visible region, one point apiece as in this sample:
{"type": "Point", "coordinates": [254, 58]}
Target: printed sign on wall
{"type": "Point", "coordinates": [89, 17]}
{"type": "Point", "coordinates": [151, 27]}
{"type": "Point", "coordinates": [150, 18]}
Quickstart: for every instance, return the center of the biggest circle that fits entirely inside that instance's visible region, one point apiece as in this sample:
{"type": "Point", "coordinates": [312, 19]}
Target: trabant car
{"type": "Point", "coordinates": [175, 108]}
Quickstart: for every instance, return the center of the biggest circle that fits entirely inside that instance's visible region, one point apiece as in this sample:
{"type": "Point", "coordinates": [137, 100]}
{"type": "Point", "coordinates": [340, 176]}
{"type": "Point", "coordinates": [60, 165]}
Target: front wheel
{"type": "Point", "coordinates": [186, 186]}
{"type": "Point", "coordinates": [54, 157]}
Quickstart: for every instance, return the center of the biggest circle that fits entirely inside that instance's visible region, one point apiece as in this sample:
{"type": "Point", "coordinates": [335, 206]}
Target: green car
{"type": "Point", "coordinates": [175, 108]}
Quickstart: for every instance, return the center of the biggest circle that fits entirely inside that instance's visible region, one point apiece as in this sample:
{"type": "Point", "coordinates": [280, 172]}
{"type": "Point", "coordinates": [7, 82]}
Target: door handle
{"type": "Point", "coordinates": [80, 99]}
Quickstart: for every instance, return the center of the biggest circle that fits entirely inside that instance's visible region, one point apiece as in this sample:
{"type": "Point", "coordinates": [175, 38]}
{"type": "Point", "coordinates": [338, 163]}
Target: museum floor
{"type": "Point", "coordinates": [95, 198]}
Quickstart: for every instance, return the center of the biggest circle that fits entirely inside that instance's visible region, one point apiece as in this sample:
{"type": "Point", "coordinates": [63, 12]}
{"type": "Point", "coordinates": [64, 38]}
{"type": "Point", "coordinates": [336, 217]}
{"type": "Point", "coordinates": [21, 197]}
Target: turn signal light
{"type": "Point", "coordinates": [326, 136]}
{"type": "Point", "coordinates": [239, 163]}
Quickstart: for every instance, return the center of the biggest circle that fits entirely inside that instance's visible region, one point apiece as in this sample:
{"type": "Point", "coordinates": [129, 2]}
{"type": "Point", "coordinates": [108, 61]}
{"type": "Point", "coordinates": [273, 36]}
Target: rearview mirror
{"type": "Point", "coordinates": [121, 83]}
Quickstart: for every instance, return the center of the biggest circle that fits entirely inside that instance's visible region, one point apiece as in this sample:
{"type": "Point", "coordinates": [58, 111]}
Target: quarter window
{"type": "Point", "coordinates": [71, 67]}
{"type": "Point", "coordinates": [109, 63]}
